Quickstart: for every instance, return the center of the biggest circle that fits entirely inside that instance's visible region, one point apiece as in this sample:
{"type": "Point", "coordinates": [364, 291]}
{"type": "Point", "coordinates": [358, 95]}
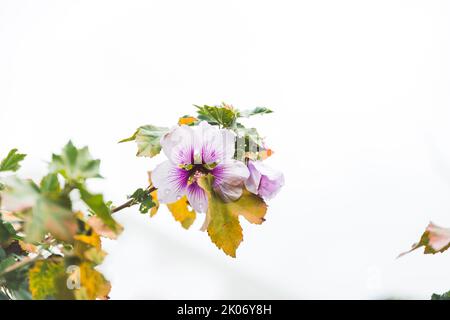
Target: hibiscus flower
{"type": "Point", "coordinates": [193, 152]}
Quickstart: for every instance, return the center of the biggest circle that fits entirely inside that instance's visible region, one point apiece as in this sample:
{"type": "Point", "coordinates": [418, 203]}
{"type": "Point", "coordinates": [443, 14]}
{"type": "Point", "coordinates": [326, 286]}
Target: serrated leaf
{"type": "Point", "coordinates": [222, 222]}
{"type": "Point", "coordinates": [255, 111]}
{"type": "Point", "coordinates": [12, 161]}
{"type": "Point", "coordinates": [435, 239]}
{"type": "Point", "coordinates": [181, 212]}
{"type": "Point", "coordinates": [223, 115]}
{"type": "Point", "coordinates": [148, 140]}
{"type": "Point", "coordinates": [76, 165]}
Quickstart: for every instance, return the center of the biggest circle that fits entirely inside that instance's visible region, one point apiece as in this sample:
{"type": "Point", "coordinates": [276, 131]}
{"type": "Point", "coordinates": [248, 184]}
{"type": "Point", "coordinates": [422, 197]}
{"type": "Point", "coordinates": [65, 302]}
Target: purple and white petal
{"type": "Point", "coordinates": [170, 181]}
{"type": "Point", "coordinates": [214, 144]}
{"type": "Point", "coordinates": [268, 188]}
{"type": "Point", "coordinates": [252, 183]}
{"type": "Point", "coordinates": [229, 178]}
{"type": "Point", "coordinates": [197, 197]}
{"type": "Point", "coordinates": [268, 181]}
{"type": "Point", "coordinates": [178, 144]}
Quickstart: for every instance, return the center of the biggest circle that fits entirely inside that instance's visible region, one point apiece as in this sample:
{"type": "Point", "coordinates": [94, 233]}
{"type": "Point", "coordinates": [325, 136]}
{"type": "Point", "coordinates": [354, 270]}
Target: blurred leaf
{"type": "Point", "coordinates": [16, 279]}
{"type": "Point", "coordinates": [96, 203]}
{"type": "Point", "coordinates": [259, 155]}
{"type": "Point", "coordinates": [48, 279]}
{"type": "Point", "coordinates": [28, 247]}
{"type": "Point", "coordinates": [6, 231]}
{"type": "Point", "coordinates": [12, 161]}
{"type": "Point", "coordinates": [50, 217]}
{"type": "Point", "coordinates": [50, 184]}
{"type": "Point", "coordinates": [88, 244]}
{"type": "Point", "coordinates": [93, 283]}
{"type": "Point", "coordinates": [181, 212]}
{"type": "Point", "coordinates": [92, 239]}
{"type": "Point", "coordinates": [102, 229]}
{"type": "Point", "coordinates": [148, 140]}
{"type": "Point", "coordinates": [222, 222]}
{"type": "Point", "coordinates": [435, 239]}
{"type": "Point", "coordinates": [255, 111]}
{"type": "Point", "coordinates": [445, 296]}
{"type": "Point", "coordinates": [76, 165]}
{"type": "Point", "coordinates": [6, 262]}
{"type": "Point", "coordinates": [44, 214]}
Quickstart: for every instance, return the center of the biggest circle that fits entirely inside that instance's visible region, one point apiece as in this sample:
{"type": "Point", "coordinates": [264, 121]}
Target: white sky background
{"type": "Point", "coordinates": [361, 94]}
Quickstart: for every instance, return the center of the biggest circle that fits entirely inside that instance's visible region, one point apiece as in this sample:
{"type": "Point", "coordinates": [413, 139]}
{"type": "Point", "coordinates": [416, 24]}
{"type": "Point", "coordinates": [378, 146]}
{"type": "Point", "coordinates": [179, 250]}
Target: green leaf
{"type": "Point", "coordinates": [12, 161]}
{"type": "Point", "coordinates": [222, 218]}
{"type": "Point", "coordinates": [16, 280]}
{"type": "Point", "coordinates": [76, 165]}
{"type": "Point", "coordinates": [48, 216]}
{"type": "Point", "coordinates": [223, 115]}
{"type": "Point", "coordinates": [255, 111]}
{"type": "Point", "coordinates": [144, 198]}
{"type": "Point", "coordinates": [445, 296]}
{"type": "Point", "coordinates": [44, 212]}
{"type": "Point", "coordinates": [6, 231]}
{"type": "Point", "coordinates": [148, 140]}
{"type": "Point", "coordinates": [7, 262]}
{"type": "Point", "coordinates": [98, 206]}
{"type": "Point", "coordinates": [50, 183]}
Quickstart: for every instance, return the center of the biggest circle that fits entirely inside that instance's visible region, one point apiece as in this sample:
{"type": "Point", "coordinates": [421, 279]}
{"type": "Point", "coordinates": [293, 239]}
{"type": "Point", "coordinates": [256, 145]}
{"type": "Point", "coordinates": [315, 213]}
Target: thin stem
{"type": "Point", "coordinates": [131, 202]}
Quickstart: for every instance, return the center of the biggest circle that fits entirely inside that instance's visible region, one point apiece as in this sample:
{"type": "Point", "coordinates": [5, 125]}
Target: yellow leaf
{"type": "Point", "coordinates": [154, 209]}
{"type": "Point", "coordinates": [181, 212]}
{"type": "Point", "coordinates": [186, 120]}
{"type": "Point", "coordinates": [222, 218]}
{"type": "Point", "coordinates": [154, 196]}
{"type": "Point", "coordinates": [95, 255]}
{"type": "Point", "coordinates": [93, 239]}
{"type": "Point", "coordinates": [48, 280]}
{"type": "Point", "coordinates": [93, 283]}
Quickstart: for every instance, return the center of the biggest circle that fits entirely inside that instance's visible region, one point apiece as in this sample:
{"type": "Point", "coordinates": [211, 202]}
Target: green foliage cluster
{"type": "Point", "coordinates": [44, 244]}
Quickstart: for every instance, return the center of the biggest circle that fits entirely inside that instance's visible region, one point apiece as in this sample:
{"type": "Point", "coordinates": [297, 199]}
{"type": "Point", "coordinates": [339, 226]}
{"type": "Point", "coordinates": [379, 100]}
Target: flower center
{"type": "Point", "coordinates": [196, 171]}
